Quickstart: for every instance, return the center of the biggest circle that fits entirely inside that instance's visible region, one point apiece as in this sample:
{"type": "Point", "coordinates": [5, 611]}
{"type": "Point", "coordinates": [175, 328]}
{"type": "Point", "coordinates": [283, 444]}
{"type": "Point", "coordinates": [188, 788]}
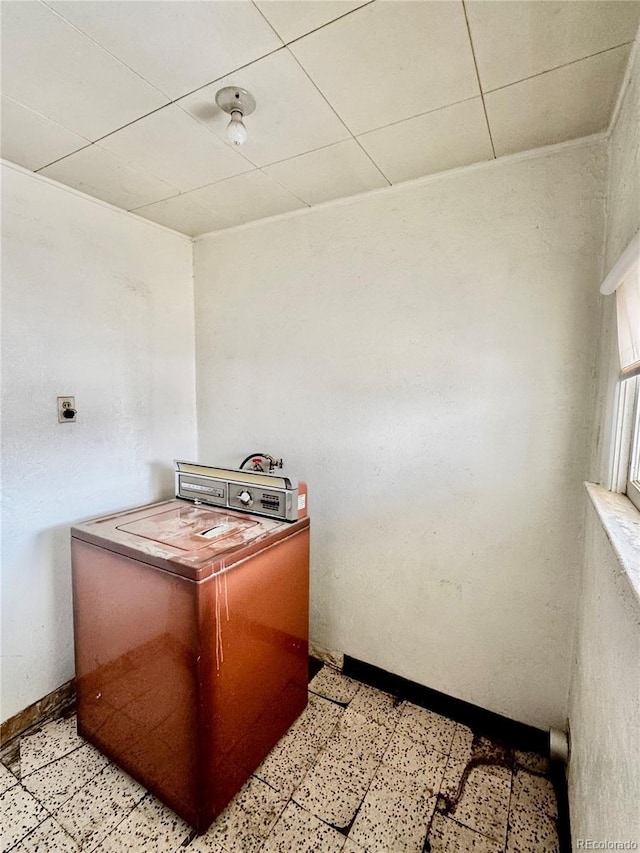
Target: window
{"type": "Point", "coordinates": [633, 479]}
{"type": "Point", "coordinates": [624, 281]}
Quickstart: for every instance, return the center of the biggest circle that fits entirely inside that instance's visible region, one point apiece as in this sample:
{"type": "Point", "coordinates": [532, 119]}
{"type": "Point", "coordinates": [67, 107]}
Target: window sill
{"type": "Point", "coordinates": [621, 522]}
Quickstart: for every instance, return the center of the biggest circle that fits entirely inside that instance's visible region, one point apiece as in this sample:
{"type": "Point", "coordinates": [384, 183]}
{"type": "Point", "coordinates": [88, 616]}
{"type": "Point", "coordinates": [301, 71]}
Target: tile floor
{"type": "Point", "coordinates": [358, 772]}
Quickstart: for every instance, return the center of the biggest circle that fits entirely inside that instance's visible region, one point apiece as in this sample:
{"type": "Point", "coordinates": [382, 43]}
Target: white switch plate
{"type": "Point", "coordinates": [65, 403]}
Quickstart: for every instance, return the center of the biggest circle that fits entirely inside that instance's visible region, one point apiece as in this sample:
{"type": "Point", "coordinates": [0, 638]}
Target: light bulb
{"type": "Point", "coordinates": [236, 131]}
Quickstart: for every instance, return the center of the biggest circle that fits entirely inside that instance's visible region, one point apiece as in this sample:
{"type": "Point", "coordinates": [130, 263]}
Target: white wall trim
{"type": "Point", "coordinates": [36, 176]}
{"type": "Point", "coordinates": [533, 153]}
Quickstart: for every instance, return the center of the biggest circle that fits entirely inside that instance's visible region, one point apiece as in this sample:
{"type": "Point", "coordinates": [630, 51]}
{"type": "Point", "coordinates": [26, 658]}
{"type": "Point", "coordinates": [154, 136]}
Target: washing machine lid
{"type": "Point", "coordinates": [192, 528]}
{"type": "Point", "coordinates": [192, 541]}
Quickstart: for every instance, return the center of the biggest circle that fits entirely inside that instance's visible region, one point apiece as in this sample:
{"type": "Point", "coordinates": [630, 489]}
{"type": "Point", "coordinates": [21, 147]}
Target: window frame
{"type": "Point", "coordinates": [633, 471]}
{"type": "Point", "coordinates": [624, 442]}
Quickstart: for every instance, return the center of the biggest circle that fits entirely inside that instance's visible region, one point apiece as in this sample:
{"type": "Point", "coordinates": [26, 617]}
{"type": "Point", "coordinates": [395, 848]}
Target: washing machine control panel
{"type": "Point", "coordinates": [264, 501]}
{"type": "Point", "coordinates": [256, 493]}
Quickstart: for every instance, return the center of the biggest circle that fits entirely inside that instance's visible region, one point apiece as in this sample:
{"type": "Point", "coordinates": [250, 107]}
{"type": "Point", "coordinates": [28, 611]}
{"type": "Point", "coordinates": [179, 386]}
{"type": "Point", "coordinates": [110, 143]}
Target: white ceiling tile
{"type": "Point", "coordinates": [291, 116]}
{"type": "Point", "coordinates": [48, 66]}
{"type": "Point", "coordinates": [391, 60]}
{"type": "Point", "coordinates": [244, 198]}
{"type": "Point", "coordinates": [443, 139]}
{"type": "Point", "coordinates": [98, 173]}
{"type": "Point", "coordinates": [179, 213]}
{"type": "Point", "coordinates": [294, 18]}
{"type": "Point", "coordinates": [519, 39]}
{"type": "Point", "coordinates": [399, 73]}
{"type": "Point", "coordinates": [176, 46]}
{"type": "Point", "coordinates": [566, 103]}
{"type": "Point", "coordinates": [333, 172]}
{"type": "Point", "coordinates": [32, 141]}
{"type": "Point", "coordinates": [176, 148]}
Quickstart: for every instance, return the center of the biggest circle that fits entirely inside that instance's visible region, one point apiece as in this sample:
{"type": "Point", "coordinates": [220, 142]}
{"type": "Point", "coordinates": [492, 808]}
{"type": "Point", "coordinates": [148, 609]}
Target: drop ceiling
{"type": "Point", "coordinates": [117, 97]}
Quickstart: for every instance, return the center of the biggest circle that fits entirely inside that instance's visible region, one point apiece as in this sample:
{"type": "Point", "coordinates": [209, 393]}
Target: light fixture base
{"type": "Point", "coordinates": [233, 99]}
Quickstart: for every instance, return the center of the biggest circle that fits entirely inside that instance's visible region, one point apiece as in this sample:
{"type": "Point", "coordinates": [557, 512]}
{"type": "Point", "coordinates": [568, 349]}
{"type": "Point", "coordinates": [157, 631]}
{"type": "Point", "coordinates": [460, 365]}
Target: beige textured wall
{"type": "Point", "coordinates": [96, 304]}
{"type": "Point", "coordinates": [423, 358]}
{"type": "Point", "coordinates": [605, 693]}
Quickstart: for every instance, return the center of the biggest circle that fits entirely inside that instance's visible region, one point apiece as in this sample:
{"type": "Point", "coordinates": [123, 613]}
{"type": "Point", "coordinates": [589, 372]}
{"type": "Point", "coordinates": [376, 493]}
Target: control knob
{"type": "Point", "coordinates": [245, 498]}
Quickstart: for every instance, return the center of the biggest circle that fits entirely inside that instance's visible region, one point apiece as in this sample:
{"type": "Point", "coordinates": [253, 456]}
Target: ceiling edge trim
{"type": "Point", "coordinates": [626, 80]}
{"type": "Point", "coordinates": [531, 154]}
{"type": "Point", "coordinates": [91, 198]}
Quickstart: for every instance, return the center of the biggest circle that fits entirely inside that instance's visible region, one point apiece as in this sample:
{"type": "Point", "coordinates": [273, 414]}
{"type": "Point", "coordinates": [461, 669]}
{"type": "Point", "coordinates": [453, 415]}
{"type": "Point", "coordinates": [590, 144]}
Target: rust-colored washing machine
{"type": "Point", "coordinates": [191, 633]}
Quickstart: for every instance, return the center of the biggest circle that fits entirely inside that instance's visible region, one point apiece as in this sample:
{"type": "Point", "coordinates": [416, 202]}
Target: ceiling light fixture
{"type": "Point", "coordinates": [238, 103]}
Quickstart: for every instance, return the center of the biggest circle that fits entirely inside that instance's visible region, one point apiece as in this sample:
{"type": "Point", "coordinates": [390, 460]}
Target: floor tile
{"type": "Point", "coordinates": [491, 752]}
{"type": "Point", "coordinates": [7, 779]}
{"type": "Point", "coordinates": [246, 821]}
{"type": "Point", "coordinates": [454, 777]}
{"type": "Point", "coordinates": [151, 827]}
{"type": "Point", "coordinates": [457, 771]}
{"type": "Point", "coordinates": [318, 720]}
{"type": "Point", "coordinates": [425, 766]}
{"type": "Point", "coordinates": [404, 832]}
{"type": "Point", "coordinates": [48, 837]}
{"type": "Point", "coordinates": [386, 772]}
{"type": "Point", "coordinates": [20, 813]}
{"type": "Point", "coordinates": [299, 831]}
{"type": "Point", "coordinates": [530, 831]}
{"type": "Point", "coordinates": [427, 727]}
{"type": "Point", "coordinates": [534, 792]}
{"type": "Point", "coordinates": [394, 815]}
{"type": "Point", "coordinates": [204, 844]}
{"type": "Point", "coordinates": [288, 763]}
{"type": "Point", "coordinates": [54, 783]}
{"type": "Point", "coordinates": [336, 784]}
{"type": "Point", "coordinates": [334, 685]}
{"type": "Point", "coordinates": [263, 805]}
{"type": "Point", "coordinates": [12, 763]}
{"type": "Point", "coordinates": [389, 783]}
{"type": "Point", "coordinates": [380, 707]}
{"type": "Point", "coordinates": [333, 791]}
{"type": "Point", "coordinates": [98, 807]}
{"type": "Point", "coordinates": [447, 836]}
{"type": "Point", "coordinates": [50, 743]}
{"type": "Point", "coordinates": [469, 747]}
{"type": "Point", "coordinates": [462, 743]}
{"type": "Point", "coordinates": [532, 761]}
{"type": "Point", "coordinates": [359, 739]}
{"type": "Point", "coordinates": [482, 801]}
